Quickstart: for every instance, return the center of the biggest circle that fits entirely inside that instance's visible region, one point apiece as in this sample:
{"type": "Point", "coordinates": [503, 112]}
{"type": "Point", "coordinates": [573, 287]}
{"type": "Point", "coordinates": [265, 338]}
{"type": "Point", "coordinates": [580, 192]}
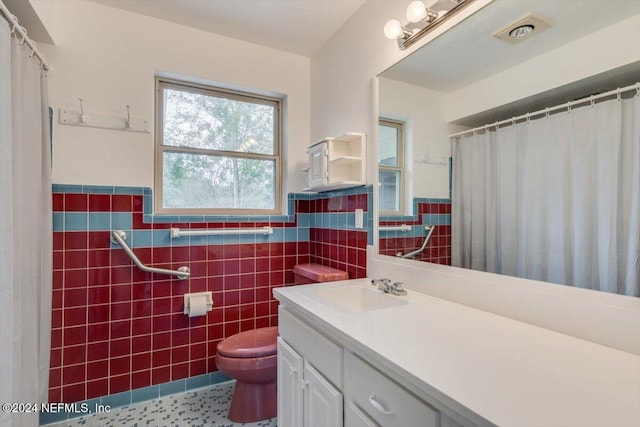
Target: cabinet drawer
{"type": "Point", "coordinates": [383, 400]}
{"type": "Point", "coordinates": [322, 353]}
{"type": "Point", "coordinates": [354, 417]}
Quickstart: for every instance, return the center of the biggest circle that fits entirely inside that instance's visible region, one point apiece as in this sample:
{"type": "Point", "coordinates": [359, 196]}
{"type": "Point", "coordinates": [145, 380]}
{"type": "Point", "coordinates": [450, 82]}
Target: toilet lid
{"type": "Point", "coordinates": [254, 343]}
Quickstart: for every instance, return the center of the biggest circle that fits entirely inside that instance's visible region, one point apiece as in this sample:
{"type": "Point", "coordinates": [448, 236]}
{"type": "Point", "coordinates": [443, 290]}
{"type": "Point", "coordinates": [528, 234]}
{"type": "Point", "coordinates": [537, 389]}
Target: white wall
{"type": "Point", "coordinates": [428, 111]}
{"type": "Point", "coordinates": [343, 71]}
{"type": "Point", "coordinates": [109, 58]}
{"type": "Point", "coordinates": [427, 134]}
{"type": "Point", "coordinates": [590, 55]}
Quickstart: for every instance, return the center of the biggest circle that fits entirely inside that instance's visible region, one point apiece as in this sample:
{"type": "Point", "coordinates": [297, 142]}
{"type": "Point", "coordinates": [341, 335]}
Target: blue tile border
{"type": "Point", "coordinates": [105, 221]}
{"type": "Point", "coordinates": [130, 190]}
{"type": "Point", "coordinates": [64, 188]}
{"type": "Point", "coordinates": [117, 400]}
{"type": "Point", "coordinates": [173, 387]}
{"type": "Point", "coordinates": [414, 217]}
{"type": "Point", "coordinates": [76, 221]}
{"type": "Point", "coordinates": [427, 219]}
{"type": "Point", "coordinates": [144, 394]}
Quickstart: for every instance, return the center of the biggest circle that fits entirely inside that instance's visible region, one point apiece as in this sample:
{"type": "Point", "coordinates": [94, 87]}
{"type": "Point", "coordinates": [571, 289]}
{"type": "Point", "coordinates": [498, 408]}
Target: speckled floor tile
{"type": "Point", "coordinates": [198, 408]}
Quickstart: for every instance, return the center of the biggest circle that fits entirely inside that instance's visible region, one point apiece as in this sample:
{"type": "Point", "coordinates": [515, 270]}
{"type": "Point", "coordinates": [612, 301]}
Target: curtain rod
{"type": "Point", "coordinates": [545, 111]}
{"type": "Point", "coordinates": [22, 32]}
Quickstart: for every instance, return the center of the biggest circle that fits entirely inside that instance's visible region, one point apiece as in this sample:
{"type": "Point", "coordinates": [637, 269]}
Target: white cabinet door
{"type": "Point", "coordinates": [322, 401]}
{"type": "Point", "coordinates": [290, 386]}
{"type": "Point", "coordinates": [317, 165]}
{"type": "Point", "coordinates": [354, 417]}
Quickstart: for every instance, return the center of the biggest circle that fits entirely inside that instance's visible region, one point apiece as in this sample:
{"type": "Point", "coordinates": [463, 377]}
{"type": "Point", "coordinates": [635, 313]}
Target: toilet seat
{"type": "Point", "coordinates": [249, 344]}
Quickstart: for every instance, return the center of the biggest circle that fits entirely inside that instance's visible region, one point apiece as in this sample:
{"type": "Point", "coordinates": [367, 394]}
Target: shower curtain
{"type": "Point", "coordinates": [25, 231]}
{"type": "Point", "coordinates": [555, 199]}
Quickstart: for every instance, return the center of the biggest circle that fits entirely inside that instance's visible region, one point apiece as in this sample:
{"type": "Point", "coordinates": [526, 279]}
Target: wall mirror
{"type": "Point", "coordinates": [533, 192]}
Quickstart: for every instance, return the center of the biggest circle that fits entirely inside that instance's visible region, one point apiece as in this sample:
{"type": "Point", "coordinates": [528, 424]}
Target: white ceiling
{"type": "Point", "coordinates": [28, 18]}
{"type": "Point", "coordinates": [469, 52]}
{"type": "Point", "coordinates": [296, 26]}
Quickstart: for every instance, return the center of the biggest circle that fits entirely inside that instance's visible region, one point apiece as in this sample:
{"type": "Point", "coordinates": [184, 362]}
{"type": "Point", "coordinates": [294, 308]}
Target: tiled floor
{"type": "Point", "coordinates": [199, 408]}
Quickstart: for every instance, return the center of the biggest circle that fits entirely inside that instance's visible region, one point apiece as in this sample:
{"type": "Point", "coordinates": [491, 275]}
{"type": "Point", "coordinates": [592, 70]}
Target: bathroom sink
{"type": "Point", "coordinates": [357, 298]}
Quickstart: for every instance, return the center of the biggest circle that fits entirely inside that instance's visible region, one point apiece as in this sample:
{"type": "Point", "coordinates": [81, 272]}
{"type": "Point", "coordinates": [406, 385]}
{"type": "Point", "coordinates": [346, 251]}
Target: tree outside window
{"type": "Point", "coordinates": [217, 151]}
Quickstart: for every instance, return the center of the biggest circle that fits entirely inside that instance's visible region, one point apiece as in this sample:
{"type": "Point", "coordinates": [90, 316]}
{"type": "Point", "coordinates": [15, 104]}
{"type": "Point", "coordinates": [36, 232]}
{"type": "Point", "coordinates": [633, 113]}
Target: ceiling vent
{"type": "Point", "coordinates": [523, 28]}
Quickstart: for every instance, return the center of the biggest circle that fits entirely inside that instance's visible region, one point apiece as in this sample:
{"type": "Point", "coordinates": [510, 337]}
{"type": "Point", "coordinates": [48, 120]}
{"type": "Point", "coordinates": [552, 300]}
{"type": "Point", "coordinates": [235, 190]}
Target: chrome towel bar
{"type": "Point", "coordinates": [176, 232]}
{"type": "Point", "coordinates": [403, 227]}
{"type": "Point", "coordinates": [119, 236]}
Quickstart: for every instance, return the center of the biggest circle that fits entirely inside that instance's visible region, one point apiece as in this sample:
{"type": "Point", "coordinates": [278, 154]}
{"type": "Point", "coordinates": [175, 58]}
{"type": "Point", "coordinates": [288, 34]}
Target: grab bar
{"type": "Point", "coordinates": [176, 232]}
{"type": "Point", "coordinates": [119, 236]}
{"type": "Point", "coordinates": [403, 227]}
{"type": "Point", "coordinates": [429, 229]}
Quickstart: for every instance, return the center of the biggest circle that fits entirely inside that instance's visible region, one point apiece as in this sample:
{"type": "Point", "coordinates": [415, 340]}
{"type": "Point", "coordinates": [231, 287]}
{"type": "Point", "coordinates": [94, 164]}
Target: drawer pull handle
{"type": "Point", "coordinates": [303, 383]}
{"type": "Point", "coordinates": [374, 402]}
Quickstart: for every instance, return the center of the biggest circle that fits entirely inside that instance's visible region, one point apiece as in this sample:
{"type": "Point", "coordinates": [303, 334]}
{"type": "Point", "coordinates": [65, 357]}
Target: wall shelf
{"type": "Point", "coordinates": [346, 160]}
{"type": "Point", "coordinates": [337, 163]}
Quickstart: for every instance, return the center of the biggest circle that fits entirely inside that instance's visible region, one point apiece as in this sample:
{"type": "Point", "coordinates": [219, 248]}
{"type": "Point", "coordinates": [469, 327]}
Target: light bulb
{"type": "Point", "coordinates": [521, 32]}
{"type": "Point", "coordinates": [416, 11]}
{"type": "Point", "coordinates": [393, 29]}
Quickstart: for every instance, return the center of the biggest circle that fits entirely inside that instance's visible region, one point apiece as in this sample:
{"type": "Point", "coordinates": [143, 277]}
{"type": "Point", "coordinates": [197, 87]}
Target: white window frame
{"type": "Point", "coordinates": [401, 143]}
{"type": "Point", "coordinates": [160, 148]}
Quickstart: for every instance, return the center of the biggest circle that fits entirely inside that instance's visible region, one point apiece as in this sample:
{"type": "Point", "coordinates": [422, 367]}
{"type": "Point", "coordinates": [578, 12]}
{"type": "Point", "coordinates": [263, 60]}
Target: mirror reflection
{"type": "Point", "coordinates": [521, 155]}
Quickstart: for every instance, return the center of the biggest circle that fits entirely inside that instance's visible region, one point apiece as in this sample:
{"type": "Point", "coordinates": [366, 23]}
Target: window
{"type": "Point", "coordinates": [390, 166]}
{"type": "Point", "coordinates": [217, 151]}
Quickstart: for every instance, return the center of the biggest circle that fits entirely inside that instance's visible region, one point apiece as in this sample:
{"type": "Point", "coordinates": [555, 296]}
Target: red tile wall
{"type": "Point", "coordinates": [439, 248]}
{"type": "Point", "coordinates": [116, 328]}
{"type": "Point", "coordinates": [344, 249]}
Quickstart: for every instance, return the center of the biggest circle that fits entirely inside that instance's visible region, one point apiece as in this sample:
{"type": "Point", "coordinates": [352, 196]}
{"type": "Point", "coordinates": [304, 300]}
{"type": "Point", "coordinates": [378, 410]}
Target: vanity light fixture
{"type": "Point", "coordinates": [393, 29]}
{"type": "Point", "coordinates": [417, 11]}
{"type": "Point", "coordinates": [422, 19]}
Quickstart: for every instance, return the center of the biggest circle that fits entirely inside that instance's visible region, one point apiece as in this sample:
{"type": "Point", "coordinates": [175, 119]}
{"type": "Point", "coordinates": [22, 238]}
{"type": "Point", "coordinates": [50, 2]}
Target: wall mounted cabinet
{"type": "Point", "coordinates": [336, 163]}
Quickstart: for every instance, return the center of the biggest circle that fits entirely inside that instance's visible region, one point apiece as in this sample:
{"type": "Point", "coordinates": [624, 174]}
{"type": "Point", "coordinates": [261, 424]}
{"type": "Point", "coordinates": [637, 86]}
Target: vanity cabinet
{"type": "Point", "coordinates": [323, 384]}
{"type": "Point", "coordinates": [290, 391]}
{"type": "Point", "coordinates": [305, 397]}
{"type": "Point", "coordinates": [335, 163]}
{"type": "Point", "coordinates": [309, 376]}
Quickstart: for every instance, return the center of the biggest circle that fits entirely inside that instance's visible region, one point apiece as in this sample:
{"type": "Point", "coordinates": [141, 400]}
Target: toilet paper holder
{"type": "Point", "coordinates": [191, 310]}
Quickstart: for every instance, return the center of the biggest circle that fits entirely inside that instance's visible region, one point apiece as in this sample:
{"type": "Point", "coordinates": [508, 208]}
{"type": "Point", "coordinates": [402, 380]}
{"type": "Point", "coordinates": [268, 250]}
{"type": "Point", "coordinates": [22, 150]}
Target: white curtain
{"type": "Point", "coordinates": [555, 199]}
{"type": "Point", "coordinates": [25, 231]}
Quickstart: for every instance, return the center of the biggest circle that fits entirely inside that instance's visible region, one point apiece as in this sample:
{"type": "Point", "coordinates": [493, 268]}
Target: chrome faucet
{"type": "Point", "coordinates": [385, 285]}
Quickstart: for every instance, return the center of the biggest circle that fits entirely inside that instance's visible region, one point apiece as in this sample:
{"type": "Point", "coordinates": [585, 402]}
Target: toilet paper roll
{"type": "Point", "coordinates": [197, 305]}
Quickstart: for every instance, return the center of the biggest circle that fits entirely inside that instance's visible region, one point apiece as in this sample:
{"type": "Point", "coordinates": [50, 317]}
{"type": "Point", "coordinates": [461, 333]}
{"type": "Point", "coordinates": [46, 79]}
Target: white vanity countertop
{"type": "Point", "coordinates": [487, 368]}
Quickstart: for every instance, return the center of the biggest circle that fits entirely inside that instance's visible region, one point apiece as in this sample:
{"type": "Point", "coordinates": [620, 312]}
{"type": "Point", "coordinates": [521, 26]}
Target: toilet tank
{"type": "Point", "coordinates": [315, 273]}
